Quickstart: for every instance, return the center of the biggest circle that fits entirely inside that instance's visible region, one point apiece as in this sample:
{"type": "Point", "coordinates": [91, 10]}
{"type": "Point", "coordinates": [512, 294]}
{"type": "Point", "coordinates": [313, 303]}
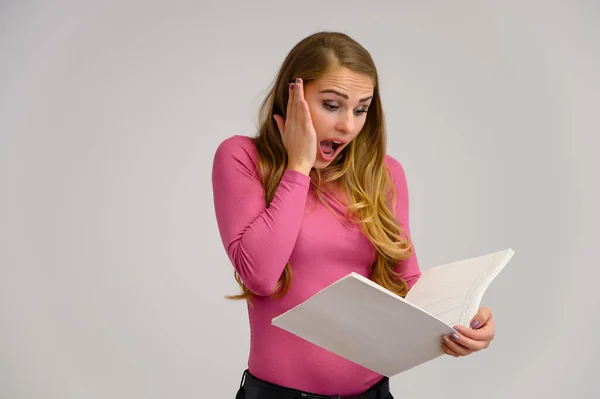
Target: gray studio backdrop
{"type": "Point", "coordinates": [112, 273]}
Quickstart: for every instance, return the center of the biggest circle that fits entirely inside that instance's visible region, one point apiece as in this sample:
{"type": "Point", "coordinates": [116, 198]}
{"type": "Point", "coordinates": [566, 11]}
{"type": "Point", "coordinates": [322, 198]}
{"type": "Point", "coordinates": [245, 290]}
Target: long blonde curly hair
{"type": "Point", "coordinates": [359, 170]}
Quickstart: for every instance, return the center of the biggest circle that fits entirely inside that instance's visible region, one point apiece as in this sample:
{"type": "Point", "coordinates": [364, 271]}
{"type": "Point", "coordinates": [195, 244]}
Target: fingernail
{"type": "Point", "coordinates": [456, 328]}
{"type": "Point", "coordinates": [298, 80]}
{"type": "Point", "coordinates": [455, 336]}
{"type": "Point", "coordinates": [291, 86]}
{"type": "Point", "coordinates": [474, 323]}
{"type": "Point", "coordinates": [446, 339]}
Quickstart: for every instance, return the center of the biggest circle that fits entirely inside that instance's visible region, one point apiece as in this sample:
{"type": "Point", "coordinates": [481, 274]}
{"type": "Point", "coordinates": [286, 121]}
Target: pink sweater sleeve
{"type": "Point", "coordinates": [258, 240]}
{"type": "Point", "coordinates": [410, 267]}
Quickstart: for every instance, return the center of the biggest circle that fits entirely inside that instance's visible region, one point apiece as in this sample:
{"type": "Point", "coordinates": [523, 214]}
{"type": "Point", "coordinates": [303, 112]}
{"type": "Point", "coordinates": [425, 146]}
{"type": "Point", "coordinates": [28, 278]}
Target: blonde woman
{"type": "Point", "coordinates": [312, 197]}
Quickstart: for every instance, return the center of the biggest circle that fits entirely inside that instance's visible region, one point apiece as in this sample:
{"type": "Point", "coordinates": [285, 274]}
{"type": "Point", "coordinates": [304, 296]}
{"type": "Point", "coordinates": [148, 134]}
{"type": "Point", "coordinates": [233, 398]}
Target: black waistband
{"type": "Point", "coordinates": [258, 389]}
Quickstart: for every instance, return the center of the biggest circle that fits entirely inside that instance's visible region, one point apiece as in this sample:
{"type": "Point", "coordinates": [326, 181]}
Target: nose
{"type": "Point", "coordinates": [346, 123]}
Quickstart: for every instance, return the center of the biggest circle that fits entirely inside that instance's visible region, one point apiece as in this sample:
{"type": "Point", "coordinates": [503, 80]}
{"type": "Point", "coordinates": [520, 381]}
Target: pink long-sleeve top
{"type": "Point", "coordinates": [321, 249]}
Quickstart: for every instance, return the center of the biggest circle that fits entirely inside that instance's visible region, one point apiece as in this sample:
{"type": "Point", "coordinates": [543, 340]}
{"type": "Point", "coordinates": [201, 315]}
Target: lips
{"type": "Point", "coordinates": [330, 148]}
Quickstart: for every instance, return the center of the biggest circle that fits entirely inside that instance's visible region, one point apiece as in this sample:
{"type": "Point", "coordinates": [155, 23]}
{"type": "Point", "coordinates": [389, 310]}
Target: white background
{"type": "Point", "coordinates": [112, 273]}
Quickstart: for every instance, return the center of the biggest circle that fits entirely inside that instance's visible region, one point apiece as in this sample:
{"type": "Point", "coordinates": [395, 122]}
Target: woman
{"type": "Point", "coordinates": [311, 198]}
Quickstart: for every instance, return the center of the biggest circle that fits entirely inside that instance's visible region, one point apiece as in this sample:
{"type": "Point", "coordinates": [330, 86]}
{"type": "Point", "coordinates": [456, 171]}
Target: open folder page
{"type": "Point", "coordinates": [365, 323]}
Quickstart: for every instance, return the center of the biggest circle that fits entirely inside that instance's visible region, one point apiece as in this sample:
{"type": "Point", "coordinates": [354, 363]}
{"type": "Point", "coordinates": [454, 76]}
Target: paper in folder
{"type": "Point", "coordinates": [365, 323]}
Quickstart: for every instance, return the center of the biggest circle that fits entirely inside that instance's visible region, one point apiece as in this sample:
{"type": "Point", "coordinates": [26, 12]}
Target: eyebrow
{"type": "Point", "coordinates": [362, 100]}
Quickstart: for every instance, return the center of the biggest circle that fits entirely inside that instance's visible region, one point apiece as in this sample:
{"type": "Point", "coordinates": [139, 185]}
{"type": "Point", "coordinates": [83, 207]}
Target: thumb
{"type": "Point", "coordinates": [279, 122]}
{"type": "Point", "coordinates": [482, 317]}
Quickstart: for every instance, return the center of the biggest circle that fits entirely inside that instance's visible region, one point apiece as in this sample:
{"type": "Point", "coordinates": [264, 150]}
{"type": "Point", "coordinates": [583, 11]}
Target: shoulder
{"type": "Point", "coordinates": [396, 170]}
{"type": "Point", "coordinates": [238, 148]}
{"type": "Point", "coordinates": [236, 153]}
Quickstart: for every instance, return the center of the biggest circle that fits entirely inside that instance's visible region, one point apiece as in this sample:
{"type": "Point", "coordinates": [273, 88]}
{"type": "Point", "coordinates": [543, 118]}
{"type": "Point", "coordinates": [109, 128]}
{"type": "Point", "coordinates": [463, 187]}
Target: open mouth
{"type": "Point", "coordinates": [330, 147]}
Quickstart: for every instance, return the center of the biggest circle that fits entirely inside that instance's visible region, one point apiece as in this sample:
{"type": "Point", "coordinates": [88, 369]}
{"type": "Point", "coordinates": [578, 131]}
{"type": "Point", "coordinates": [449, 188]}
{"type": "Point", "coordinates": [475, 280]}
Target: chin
{"type": "Point", "coordinates": [320, 164]}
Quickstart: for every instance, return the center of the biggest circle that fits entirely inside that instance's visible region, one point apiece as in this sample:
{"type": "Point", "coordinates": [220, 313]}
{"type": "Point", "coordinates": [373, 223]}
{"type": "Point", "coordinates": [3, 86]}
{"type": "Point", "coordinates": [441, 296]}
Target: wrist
{"type": "Point", "coordinates": [304, 169]}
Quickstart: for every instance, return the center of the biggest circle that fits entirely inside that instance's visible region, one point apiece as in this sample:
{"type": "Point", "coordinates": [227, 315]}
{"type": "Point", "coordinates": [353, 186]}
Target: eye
{"type": "Point", "coordinates": [330, 106]}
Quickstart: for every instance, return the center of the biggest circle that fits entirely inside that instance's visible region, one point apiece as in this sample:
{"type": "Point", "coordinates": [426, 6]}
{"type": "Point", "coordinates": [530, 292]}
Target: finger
{"type": "Point", "coordinates": [290, 104]}
{"type": "Point", "coordinates": [482, 316]}
{"type": "Point", "coordinates": [298, 91]}
{"type": "Point", "coordinates": [468, 343]}
{"type": "Point", "coordinates": [455, 347]}
{"type": "Point", "coordinates": [449, 351]}
{"type": "Point", "coordinates": [289, 111]}
{"type": "Point", "coordinates": [303, 112]}
{"type": "Point", "coordinates": [485, 333]}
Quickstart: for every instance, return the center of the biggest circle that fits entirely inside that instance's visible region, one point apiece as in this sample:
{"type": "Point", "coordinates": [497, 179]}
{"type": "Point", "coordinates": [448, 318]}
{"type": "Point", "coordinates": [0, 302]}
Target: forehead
{"type": "Point", "coordinates": [346, 80]}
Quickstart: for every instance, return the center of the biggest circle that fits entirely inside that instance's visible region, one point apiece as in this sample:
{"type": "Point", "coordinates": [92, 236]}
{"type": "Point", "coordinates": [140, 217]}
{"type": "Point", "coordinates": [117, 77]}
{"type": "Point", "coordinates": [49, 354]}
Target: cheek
{"type": "Point", "coordinates": [360, 126]}
{"type": "Point", "coordinates": [323, 121]}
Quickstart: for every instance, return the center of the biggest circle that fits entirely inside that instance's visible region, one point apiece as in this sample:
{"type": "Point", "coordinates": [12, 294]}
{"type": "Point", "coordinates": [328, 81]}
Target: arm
{"type": "Point", "coordinates": [258, 240]}
{"type": "Point", "coordinates": [409, 267]}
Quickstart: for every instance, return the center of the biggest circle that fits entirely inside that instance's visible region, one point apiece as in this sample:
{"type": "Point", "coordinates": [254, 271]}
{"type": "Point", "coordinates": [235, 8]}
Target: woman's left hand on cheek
{"type": "Point", "coordinates": [468, 340]}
